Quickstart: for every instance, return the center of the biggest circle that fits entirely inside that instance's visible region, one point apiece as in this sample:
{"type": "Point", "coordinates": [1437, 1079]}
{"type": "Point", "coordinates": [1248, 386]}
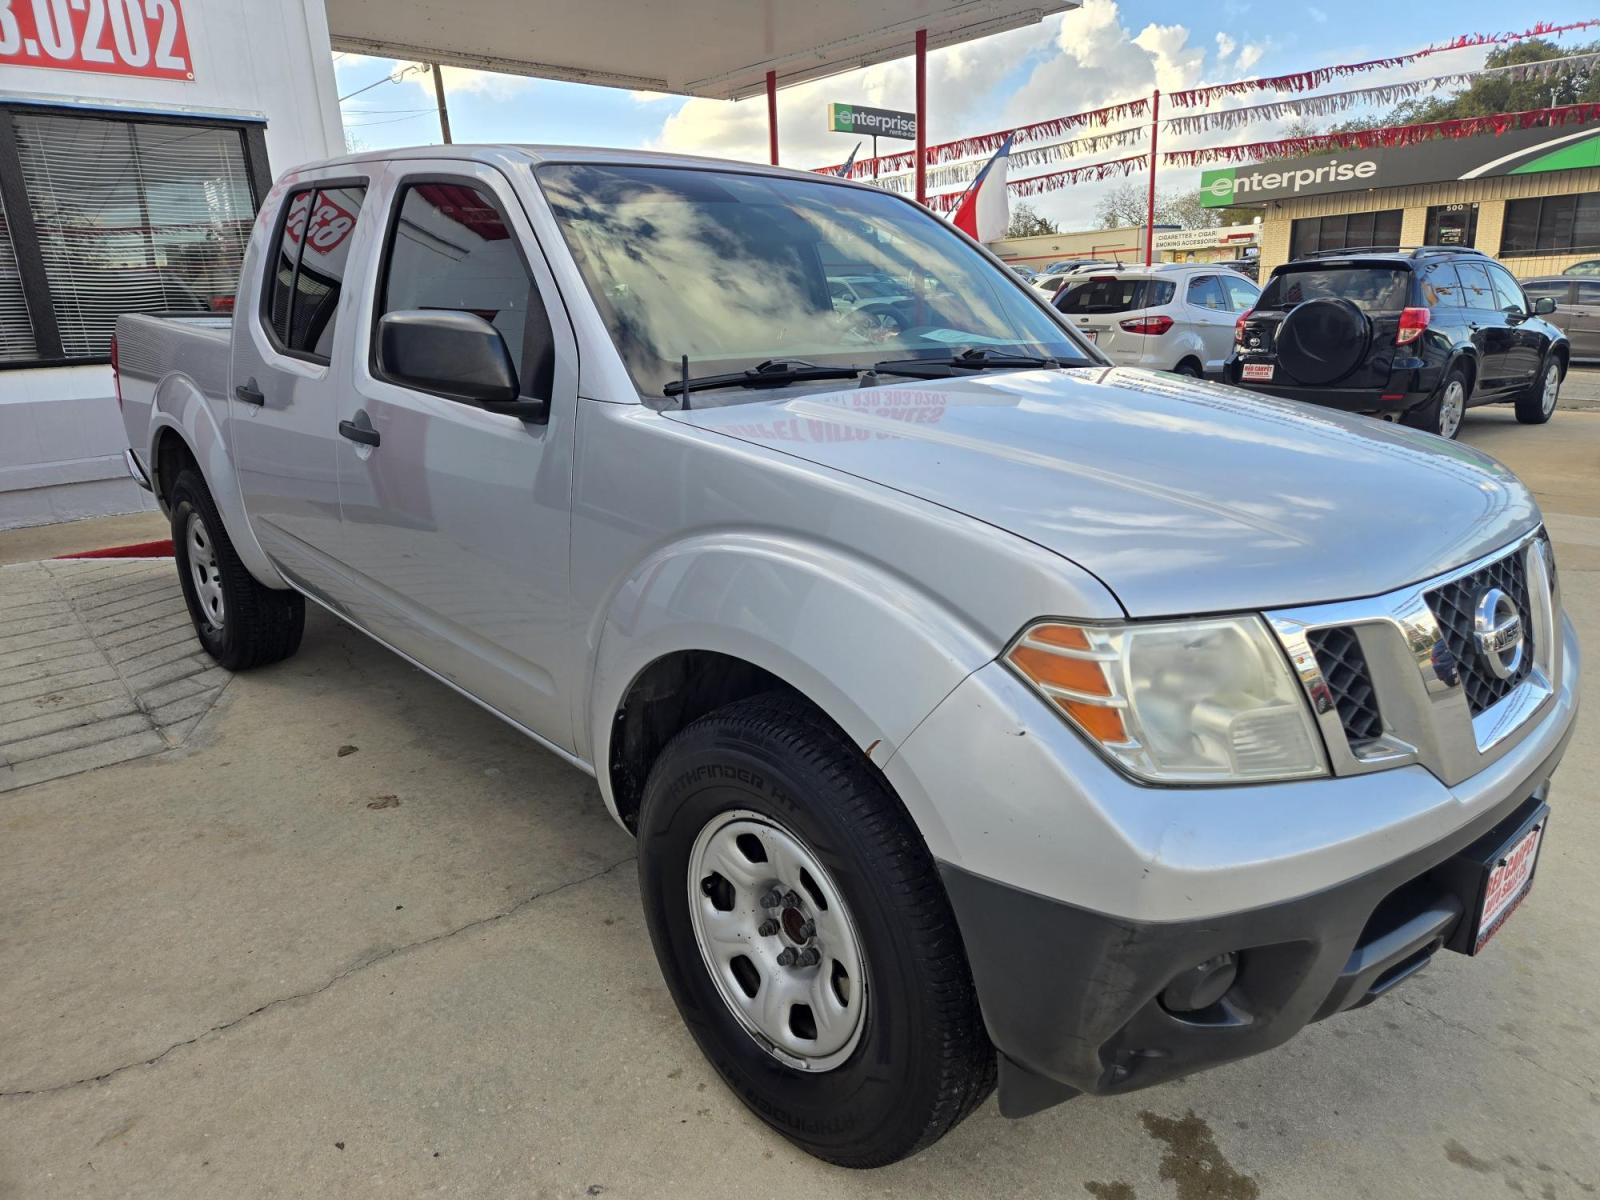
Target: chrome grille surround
{"type": "Point", "coordinates": [1426, 715]}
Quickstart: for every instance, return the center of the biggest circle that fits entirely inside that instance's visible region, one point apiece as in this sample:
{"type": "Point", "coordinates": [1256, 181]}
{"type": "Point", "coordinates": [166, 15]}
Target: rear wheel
{"type": "Point", "coordinates": [1536, 405]}
{"type": "Point", "coordinates": [240, 623]}
{"type": "Point", "coordinates": [1443, 411]}
{"type": "Point", "coordinates": [1188, 367]}
{"type": "Point", "coordinates": [806, 937]}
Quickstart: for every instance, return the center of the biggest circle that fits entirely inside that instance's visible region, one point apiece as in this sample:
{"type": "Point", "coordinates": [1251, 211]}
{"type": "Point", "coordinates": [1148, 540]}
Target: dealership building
{"type": "Point", "coordinates": [136, 143]}
{"type": "Point", "coordinates": [1529, 197]}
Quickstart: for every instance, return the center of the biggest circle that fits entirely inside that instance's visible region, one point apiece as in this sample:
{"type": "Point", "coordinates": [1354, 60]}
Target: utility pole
{"type": "Point", "coordinates": [438, 91]}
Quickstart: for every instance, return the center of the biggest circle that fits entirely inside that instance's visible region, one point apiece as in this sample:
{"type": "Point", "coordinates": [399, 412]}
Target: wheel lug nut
{"type": "Point", "coordinates": [808, 930]}
{"type": "Point", "coordinates": [788, 956]}
{"type": "Point", "coordinates": [772, 899]}
{"type": "Point", "coordinates": [808, 957]}
{"type": "Point", "coordinates": [767, 928]}
{"type": "Point", "coordinates": [791, 900]}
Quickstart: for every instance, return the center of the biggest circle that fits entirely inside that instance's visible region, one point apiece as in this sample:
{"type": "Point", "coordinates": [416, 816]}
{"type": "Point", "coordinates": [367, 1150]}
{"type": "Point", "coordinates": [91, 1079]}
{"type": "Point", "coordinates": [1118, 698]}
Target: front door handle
{"type": "Point", "coordinates": [249, 393]}
{"type": "Point", "coordinates": [364, 434]}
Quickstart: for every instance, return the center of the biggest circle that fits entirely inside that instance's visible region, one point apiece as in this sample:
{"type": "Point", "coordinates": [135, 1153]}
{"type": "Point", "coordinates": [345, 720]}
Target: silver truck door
{"type": "Point", "coordinates": [457, 520]}
{"type": "Point", "coordinates": [291, 363]}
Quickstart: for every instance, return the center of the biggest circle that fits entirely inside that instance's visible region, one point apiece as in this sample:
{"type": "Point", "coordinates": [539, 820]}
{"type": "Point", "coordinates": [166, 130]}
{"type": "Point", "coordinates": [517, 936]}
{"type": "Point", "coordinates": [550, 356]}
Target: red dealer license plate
{"type": "Point", "coordinates": [1510, 878]}
{"type": "Point", "coordinates": [1261, 372]}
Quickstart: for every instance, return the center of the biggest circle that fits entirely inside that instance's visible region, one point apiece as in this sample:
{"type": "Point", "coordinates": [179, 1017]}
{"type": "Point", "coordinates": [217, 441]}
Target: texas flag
{"type": "Point", "coordinates": [985, 211]}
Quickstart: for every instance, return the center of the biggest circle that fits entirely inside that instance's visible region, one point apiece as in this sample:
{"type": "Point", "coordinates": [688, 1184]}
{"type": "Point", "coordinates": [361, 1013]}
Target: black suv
{"type": "Point", "coordinates": [1414, 335]}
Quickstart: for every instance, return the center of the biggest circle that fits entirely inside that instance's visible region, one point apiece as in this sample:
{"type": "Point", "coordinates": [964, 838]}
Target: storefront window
{"type": "Point", "coordinates": [1368, 230]}
{"type": "Point", "coordinates": [1552, 225]}
{"type": "Point", "coordinates": [16, 328]}
{"type": "Point", "coordinates": [126, 216]}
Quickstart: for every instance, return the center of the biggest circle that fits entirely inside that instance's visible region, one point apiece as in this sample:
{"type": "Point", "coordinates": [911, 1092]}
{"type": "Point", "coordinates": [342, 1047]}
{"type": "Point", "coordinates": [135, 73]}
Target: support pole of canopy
{"type": "Point", "coordinates": [772, 115]}
{"type": "Point", "coordinates": [922, 116]}
{"type": "Point", "coordinates": [1150, 202]}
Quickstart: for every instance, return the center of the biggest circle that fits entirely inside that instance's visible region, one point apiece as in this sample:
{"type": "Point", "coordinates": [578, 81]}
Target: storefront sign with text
{"type": "Point", "coordinates": [144, 38]}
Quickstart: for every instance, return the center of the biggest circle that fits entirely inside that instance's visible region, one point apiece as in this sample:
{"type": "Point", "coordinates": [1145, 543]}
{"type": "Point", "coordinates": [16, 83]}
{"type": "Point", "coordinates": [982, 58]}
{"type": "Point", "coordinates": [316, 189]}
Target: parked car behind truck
{"type": "Point", "coordinates": [1417, 336]}
{"type": "Point", "coordinates": [982, 709]}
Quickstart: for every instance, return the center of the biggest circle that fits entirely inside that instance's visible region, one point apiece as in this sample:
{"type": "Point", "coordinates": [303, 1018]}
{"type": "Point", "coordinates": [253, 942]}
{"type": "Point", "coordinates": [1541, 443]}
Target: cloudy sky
{"type": "Point", "coordinates": [1103, 53]}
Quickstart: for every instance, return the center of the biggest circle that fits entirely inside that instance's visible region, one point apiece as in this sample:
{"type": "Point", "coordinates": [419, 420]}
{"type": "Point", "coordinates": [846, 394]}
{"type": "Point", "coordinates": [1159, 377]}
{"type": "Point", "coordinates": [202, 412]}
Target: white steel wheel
{"type": "Point", "coordinates": [205, 572]}
{"type": "Point", "coordinates": [777, 940]}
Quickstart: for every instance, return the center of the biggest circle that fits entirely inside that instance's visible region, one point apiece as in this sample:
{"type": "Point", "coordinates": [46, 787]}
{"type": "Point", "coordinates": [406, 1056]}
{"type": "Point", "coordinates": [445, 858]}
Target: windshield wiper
{"type": "Point", "coordinates": [967, 360]}
{"type": "Point", "coordinates": [775, 372]}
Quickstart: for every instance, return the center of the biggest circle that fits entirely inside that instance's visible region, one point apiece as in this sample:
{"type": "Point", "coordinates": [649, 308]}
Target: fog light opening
{"type": "Point", "coordinates": [1202, 985]}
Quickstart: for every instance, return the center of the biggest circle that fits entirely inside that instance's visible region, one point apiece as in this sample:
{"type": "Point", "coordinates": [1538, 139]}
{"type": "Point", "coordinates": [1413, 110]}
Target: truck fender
{"type": "Point", "coordinates": [873, 650]}
{"type": "Point", "coordinates": [181, 409]}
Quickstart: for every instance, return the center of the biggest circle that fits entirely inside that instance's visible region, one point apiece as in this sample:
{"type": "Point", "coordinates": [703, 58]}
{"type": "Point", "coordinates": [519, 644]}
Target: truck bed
{"type": "Point", "coordinates": [174, 357]}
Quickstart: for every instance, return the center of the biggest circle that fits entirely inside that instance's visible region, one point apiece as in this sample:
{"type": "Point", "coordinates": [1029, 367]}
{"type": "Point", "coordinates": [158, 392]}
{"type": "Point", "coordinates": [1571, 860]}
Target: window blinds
{"type": "Point", "coordinates": [16, 328]}
{"type": "Point", "coordinates": [133, 217]}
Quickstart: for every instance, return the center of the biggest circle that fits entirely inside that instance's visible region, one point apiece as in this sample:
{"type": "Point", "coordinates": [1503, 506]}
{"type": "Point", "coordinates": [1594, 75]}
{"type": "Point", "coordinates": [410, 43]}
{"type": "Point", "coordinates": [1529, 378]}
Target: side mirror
{"type": "Point", "coordinates": [456, 355]}
{"type": "Point", "coordinates": [1544, 306]}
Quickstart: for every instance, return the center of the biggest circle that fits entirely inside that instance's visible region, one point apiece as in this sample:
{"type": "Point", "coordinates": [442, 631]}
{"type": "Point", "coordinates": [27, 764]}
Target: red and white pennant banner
{"type": "Point", "coordinates": [1388, 137]}
{"type": "Point", "coordinates": [1393, 93]}
{"type": "Point", "coordinates": [988, 143]}
{"type": "Point", "coordinates": [1055, 180]}
{"type": "Point", "coordinates": [1309, 81]}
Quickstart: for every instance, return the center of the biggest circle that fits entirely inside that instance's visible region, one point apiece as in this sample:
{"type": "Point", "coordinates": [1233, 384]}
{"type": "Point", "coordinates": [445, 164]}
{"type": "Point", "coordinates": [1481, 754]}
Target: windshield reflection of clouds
{"type": "Point", "coordinates": [734, 269]}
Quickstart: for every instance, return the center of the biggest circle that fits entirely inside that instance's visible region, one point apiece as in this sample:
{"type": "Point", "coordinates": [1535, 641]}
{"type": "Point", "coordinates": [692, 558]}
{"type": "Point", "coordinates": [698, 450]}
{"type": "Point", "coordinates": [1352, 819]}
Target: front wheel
{"type": "Point", "coordinates": [1444, 409]}
{"type": "Point", "coordinates": [1536, 405]}
{"type": "Point", "coordinates": [806, 937]}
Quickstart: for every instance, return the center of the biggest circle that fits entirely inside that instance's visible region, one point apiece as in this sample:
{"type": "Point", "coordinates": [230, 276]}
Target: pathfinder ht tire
{"type": "Point", "coordinates": [806, 937]}
{"type": "Point", "coordinates": [240, 623]}
{"type": "Point", "coordinates": [1536, 405]}
{"type": "Point", "coordinates": [1442, 413]}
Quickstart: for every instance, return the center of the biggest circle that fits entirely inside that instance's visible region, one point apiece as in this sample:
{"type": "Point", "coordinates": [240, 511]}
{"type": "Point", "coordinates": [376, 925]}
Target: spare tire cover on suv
{"type": "Point", "coordinates": [1322, 341]}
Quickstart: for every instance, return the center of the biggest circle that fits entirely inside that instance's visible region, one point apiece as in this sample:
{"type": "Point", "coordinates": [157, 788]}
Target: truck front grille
{"type": "Point", "coordinates": [1454, 606]}
{"type": "Point", "coordinates": [1349, 681]}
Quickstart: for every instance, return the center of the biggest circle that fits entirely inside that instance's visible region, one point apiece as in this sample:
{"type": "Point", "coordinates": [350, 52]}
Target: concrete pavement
{"type": "Point", "coordinates": [350, 936]}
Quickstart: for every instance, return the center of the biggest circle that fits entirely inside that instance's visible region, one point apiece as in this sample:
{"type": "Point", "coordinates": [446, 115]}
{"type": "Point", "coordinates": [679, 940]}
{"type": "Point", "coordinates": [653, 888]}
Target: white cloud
{"type": "Point", "coordinates": [1316, 14]}
{"type": "Point", "coordinates": [1249, 55]}
{"type": "Point", "coordinates": [1225, 45]}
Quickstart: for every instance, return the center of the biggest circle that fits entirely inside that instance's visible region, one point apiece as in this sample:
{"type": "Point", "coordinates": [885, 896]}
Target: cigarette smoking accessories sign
{"type": "Point", "coordinates": [854, 118]}
{"type": "Point", "coordinates": [110, 37]}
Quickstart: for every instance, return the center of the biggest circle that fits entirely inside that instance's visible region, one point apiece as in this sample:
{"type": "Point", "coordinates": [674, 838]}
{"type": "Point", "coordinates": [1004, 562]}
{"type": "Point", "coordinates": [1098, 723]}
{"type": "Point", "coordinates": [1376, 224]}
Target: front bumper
{"type": "Point", "coordinates": [1329, 891]}
{"type": "Point", "coordinates": [1072, 998]}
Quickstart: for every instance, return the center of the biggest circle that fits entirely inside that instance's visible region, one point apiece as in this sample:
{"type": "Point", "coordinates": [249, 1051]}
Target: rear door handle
{"type": "Point", "coordinates": [249, 393]}
{"type": "Point", "coordinates": [366, 435]}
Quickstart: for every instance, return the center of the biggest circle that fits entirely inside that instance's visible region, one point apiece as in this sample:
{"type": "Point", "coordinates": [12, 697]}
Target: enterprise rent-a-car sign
{"type": "Point", "coordinates": [878, 122]}
{"type": "Point", "coordinates": [1516, 152]}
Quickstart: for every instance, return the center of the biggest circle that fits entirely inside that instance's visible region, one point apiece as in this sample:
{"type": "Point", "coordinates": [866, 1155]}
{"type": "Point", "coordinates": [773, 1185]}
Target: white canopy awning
{"type": "Point", "coordinates": [717, 48]}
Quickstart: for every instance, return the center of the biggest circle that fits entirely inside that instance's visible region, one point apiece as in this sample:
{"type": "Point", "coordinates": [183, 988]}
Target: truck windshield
{"type": "Point", "coordinates": [1371, 289]}
{"type": "Point", "coordinates": [735, 270]}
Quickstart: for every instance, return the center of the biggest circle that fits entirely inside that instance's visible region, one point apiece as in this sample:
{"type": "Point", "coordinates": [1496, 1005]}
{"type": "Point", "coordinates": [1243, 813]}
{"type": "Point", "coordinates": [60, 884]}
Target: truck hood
{"type": "Point", "coordinates": [1180, 496]}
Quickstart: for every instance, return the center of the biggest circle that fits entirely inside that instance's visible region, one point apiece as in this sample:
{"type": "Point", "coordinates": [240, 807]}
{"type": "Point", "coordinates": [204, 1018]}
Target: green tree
{"type": "Point", "coordinates": [1126, 203]}
{"type": "Point", "coordinates": [1026, 221]}
{"type": "Point", "coordinates": [1485, 96]}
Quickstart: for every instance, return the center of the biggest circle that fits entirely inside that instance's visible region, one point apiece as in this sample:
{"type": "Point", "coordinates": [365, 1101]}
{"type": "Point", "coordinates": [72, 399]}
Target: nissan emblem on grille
{"type": "Point", "coordinates": [1497, 632]}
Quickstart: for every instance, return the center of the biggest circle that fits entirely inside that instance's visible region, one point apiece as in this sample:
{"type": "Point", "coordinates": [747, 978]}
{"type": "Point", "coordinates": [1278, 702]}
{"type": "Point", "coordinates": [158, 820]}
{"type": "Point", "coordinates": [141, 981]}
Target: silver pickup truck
{"type": "Point", "coordinates": [983, 711]}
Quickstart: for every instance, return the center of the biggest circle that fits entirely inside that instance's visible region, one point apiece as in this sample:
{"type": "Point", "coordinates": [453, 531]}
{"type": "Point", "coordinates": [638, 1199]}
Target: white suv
{"type": "Point", "coordinates": [1165, 317]}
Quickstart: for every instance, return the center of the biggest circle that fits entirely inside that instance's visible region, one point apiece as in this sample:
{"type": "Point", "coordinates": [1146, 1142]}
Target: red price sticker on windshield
{"type": "Point", "coordinates": [112, 37]}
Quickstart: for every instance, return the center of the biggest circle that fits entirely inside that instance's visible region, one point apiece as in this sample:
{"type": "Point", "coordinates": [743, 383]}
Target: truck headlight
{"type": "Point", "coordinates": [1210, 700]}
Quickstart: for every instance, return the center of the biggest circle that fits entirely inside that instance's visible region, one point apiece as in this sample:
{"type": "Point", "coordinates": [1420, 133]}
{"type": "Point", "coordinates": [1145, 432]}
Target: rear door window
{"type": "Point", "coordinates": [1588, 293]}
{"type": "Point", "coordinates": [305, 278]}
{"type": "Point", "coordinates": [1205, 291]}
{"type": "Point", "coordinates": [1476, 290]}
{"type": "Point", "coordinates": [1107, 294]}
{"type": "Point", "coordinates": [1369, 288]}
